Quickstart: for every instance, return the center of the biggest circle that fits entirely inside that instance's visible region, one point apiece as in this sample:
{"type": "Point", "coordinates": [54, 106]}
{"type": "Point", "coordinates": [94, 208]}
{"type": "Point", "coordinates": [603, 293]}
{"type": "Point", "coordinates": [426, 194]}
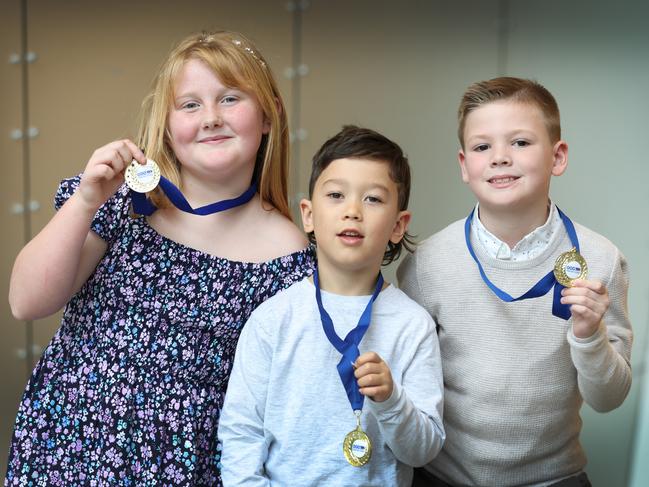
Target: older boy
{"type": "Point", "coordinates": [298, 380]}
{"type": "Point", "coordinates": [516, 370]}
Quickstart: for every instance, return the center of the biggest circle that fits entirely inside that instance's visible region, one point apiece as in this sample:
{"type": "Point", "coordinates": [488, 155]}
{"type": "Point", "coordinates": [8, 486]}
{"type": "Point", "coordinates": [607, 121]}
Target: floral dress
{"type": "Point", "coordinates": [130, 389]}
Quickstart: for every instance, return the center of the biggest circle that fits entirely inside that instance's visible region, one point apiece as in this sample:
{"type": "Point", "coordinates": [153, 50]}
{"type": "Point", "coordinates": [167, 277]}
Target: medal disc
{"type": "Point", "coordinates": [142, 178]}
{"type": "Point", "coordinates": [570, 266]}
{"type": "Point", "coordinates": [357, 447]}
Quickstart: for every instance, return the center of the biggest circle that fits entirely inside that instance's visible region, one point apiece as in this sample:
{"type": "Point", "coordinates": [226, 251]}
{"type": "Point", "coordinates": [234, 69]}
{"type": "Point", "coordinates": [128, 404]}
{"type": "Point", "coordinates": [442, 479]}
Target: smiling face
{"type": "Point", "coordinates": [508, 158]}
{"type": "Point", "coordinates": [215, 131]}
{"type": "Point", "coordinates": [354, 213]}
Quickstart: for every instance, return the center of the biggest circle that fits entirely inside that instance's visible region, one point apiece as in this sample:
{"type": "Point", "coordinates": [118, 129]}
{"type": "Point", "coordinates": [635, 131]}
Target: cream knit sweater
{"type": "Point", "coordinates": [515, 376]}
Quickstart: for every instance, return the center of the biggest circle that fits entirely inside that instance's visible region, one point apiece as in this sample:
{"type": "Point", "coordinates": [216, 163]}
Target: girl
{"type": "Point", "coordinates": [130, 389]}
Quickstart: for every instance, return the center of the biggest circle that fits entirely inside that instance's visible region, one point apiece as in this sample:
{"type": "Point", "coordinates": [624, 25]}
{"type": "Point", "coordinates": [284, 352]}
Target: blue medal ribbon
{"type": "Point", "coordinates": [349, 346]}
{"type": "Point", "coordinates": [144, 206]}
{"type": "Point", "coordinates": [542, 287]}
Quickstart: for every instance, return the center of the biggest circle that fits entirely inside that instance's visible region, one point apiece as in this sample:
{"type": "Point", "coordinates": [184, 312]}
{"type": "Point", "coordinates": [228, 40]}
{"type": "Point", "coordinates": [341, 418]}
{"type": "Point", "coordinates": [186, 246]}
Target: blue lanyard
{"type": "Point", "coordinates": [144, 206]}
{"type": "Point", "coordinates": [349, 346]}
{"type": "Point", "coordinates": [542, 287]}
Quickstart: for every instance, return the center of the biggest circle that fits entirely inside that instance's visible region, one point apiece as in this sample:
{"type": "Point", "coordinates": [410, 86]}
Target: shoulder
{"type": "Point", "coordinates": [603, 256]}
{"type": "Point", "coordinates": [280, 235]}
{"type": "Point", "coordinates": [439, 247]}
{"type": "Point", "coordinates": [408, 310]}
{"type": "Point", "coordinates": [593, 241]}
{"type": "Point", "coordinates": [449, 237]}
{"type": "Point", "coordinates": [285, 301]}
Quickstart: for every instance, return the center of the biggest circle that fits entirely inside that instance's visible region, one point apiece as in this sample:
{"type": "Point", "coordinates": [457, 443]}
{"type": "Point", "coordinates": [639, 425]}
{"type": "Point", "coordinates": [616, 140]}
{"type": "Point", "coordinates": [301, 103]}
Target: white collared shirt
{"type": "Point", "coordinates": [531, 245]}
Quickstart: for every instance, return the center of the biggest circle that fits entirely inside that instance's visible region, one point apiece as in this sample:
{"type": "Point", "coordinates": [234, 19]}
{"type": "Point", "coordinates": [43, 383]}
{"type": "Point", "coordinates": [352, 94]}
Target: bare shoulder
{"type": "Point", "coordinates": [280, 236]}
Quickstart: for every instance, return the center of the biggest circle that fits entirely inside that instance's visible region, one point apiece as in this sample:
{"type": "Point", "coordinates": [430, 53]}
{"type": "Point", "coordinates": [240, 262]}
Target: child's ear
{"type": "Point", "coordinates": [307, 215]}
{"type": "Point", "coordinates": [560, 155]}
{"type": "Point", "coordinates": [461, 158]}
{"type": "Point", "coordinates": [400, 227]}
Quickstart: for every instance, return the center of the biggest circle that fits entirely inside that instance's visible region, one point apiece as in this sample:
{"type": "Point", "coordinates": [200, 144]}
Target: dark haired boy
{"type": "Point", "coordinates": [521, 352]}
{"type": "Point", "coordinates": [295, 412]}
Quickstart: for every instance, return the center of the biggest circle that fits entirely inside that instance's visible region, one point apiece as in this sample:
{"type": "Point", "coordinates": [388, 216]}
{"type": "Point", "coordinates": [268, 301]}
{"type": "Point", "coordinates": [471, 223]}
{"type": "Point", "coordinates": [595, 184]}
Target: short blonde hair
{"type": "Point", "coordinates": [238, 64]}
{"type": "Point", "coordinates": [510, 89]}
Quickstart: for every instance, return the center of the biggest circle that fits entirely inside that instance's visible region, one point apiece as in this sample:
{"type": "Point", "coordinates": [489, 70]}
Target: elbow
{"type": "Point", "coordinates": [25, 309]}
{"type": "Point", "coordinates": [613, 401]}
{"type": "Point", "coordinates": [436, 444]}
{"type": "Point", "coordinates": [20, 310]}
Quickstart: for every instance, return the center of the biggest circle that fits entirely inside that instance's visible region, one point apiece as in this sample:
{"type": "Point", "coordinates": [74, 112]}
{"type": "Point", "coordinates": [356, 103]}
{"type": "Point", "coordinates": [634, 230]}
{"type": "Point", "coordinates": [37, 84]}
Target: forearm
{"type": "Point", "coordinates": [45, 271]}
{"type": "Point", "coordinates": [414, 436]}
{"type": "Point", "coordinates": [603, 374]}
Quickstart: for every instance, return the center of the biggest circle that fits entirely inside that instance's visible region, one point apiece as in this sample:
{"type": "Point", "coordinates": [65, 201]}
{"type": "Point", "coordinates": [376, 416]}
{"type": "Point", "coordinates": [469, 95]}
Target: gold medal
{"type": "Point", "coordinates": [570, 266]}
{"type": "Point", "coordinates": [142, 178]}
{"type": "Point", "coordinates": [357, 446]}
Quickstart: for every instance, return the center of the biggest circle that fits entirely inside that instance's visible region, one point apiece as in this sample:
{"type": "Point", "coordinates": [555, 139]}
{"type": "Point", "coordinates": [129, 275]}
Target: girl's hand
{"type": "Point", "coordinates": [373, 376]}
{"type": "Point", "coordinates": [104, 172]}
{"type": "Point", "coordinates": [588, 302]}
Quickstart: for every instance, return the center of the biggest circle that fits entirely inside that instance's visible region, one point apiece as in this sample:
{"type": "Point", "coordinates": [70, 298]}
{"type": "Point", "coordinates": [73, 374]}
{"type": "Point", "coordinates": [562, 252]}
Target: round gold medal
{"type": "Point", "coordinates": [357, 447]}
{"type": "Point", "coordinates": [570, 266]}
{"type": "Point", "coordinates": [142, 178]}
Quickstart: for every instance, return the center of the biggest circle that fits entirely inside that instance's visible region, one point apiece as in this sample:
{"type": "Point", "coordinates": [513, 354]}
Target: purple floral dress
{"type": "Point", "coordinates": [130, 389]}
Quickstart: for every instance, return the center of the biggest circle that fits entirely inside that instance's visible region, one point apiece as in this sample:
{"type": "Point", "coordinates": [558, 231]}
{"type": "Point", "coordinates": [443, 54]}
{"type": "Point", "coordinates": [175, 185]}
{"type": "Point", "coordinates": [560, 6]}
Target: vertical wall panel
{"type": "Point", "coordinates": [13, 342]}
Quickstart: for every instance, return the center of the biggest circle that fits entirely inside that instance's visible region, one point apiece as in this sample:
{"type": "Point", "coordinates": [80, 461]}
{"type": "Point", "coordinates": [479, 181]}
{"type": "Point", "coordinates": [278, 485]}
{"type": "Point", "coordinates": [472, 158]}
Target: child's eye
{"type": "Point", "coordinates": [481, 147]}
{"type": "Point", "coordinates": [521, 143]}
{"type": "Point", "coordinates": [334, 195]}
{"type": "Point", "coordinates": [229, 99]}
{"type": "Point", "coordinates": [190, 105]}
{"type": "Point", "coordinates": [373, 199]}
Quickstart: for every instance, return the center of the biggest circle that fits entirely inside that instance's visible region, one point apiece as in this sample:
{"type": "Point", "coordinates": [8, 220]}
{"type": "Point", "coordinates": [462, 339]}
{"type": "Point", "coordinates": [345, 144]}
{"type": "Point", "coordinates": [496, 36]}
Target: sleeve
{"type": "Point", "coordinates": [408, 279]}
{"type": "Point", "coordinates": [110, 215]}
{"type": "Point", "coordinates": [241, 427]}
{"type": "Point", "coordinates": [603, 362]}
{"type": "Point", "coordinates": [410, 420]}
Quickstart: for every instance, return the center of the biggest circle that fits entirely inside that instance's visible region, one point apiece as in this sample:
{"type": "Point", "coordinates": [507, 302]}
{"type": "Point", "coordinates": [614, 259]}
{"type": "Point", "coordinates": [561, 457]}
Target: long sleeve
{"type": "Point", "coordinates": [603, 361]}
{"type": "Point", "coordinates": [241, 428]}
{"type": "Point", "coordinates": [410, 420]}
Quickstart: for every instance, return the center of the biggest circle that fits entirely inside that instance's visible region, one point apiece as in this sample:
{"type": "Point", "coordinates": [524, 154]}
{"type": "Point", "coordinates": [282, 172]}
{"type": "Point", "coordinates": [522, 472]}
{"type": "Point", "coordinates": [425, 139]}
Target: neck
{"type": "Point", "coordinates": [511, 226]}
{"type": "Point", "coordinates": [346, 283]}
{"type": "Point", "coordinates": [200, 191]}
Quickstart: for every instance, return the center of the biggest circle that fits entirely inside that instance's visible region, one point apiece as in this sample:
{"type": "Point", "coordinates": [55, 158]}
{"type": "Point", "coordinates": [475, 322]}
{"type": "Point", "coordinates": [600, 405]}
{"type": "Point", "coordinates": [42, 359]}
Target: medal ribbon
{"type": "Point", "coordinates": [144, 206]}
{"type": "Point", "coordinates": [542, 287]}
{"type": "Point", "coordinates": [349, 346]}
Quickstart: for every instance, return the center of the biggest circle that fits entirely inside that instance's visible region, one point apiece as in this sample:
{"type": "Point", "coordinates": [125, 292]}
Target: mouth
{"type": "Point", "coordinates": [502, 180]}
{"type": "Point", "coordinates": [214, 139]}
{"type": "Point", "coordinates": [350, 236]}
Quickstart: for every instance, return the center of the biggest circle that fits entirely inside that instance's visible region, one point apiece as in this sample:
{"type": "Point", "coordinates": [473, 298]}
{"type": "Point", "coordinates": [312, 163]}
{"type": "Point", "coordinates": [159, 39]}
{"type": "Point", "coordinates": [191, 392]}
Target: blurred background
{"type": "Point", "coordinates": [74, 72]}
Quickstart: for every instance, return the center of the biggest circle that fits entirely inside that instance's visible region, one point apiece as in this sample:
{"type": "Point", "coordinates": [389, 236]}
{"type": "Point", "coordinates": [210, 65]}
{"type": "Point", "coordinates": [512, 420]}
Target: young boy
{"type": "Point", "coordinates": [292, 414]}
{"type": "Point", "coordinates": [517, 371]}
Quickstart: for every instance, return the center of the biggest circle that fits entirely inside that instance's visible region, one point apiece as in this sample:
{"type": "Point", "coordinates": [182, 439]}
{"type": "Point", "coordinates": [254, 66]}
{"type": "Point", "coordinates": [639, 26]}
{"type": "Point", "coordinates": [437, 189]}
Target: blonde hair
{"type": "Point", "coordinates": [510, 89]}
{"type": "Point", "coordinates": [238, 64]}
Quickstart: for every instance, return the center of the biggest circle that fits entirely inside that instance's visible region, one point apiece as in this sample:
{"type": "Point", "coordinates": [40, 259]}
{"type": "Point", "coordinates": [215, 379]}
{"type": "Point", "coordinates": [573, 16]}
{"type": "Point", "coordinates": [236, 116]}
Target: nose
{"type": "Point", "coordinates": [500, 157]}
{"type": "Point", "coordinates": [353, 210]}
{"type": "Point", "coordinates": [212, 121]}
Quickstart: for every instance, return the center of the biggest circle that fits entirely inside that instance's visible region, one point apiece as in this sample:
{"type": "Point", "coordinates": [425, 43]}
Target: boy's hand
{"type": "Point", "coordinates": [373, 377]}
{"type": "Point", "coordinates": [104, 172]}
{"type": "Point", "coordinates": [588, 302]}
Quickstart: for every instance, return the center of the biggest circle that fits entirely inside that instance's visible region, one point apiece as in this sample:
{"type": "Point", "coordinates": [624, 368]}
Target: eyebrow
{"type": "Point", "coordinates": [343, 182]}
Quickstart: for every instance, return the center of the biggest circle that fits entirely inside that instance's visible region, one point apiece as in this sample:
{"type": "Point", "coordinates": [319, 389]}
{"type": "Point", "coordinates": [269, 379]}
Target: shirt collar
{"type": "Point", "coordinates": [531, 245]}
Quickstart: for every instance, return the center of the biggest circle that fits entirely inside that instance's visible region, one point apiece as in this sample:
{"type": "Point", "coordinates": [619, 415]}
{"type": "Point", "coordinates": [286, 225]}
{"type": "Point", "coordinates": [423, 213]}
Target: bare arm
{"type": "Point", "coordinates": [58, 261]}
